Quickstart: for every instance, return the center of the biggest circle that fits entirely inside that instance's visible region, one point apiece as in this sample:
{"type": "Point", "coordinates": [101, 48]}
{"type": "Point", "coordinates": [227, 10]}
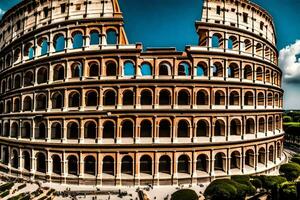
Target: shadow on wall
{"type": "Point", "coordinates": [157, 23]}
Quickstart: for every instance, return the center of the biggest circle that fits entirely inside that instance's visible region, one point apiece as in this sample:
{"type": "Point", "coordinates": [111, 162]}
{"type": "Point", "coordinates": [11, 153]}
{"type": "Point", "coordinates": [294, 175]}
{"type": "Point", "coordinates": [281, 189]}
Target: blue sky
{"type": "Point", "coordinates": [170, 23]}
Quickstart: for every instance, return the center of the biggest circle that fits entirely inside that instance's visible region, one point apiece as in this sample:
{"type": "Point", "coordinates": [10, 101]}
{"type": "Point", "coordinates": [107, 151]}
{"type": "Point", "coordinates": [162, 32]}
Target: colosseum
{"type": "Point", "coordinates": [79, 104]}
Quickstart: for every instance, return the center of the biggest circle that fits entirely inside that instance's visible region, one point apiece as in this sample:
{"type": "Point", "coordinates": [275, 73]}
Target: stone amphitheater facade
{"type": "Point", "coordinates": [80, 105]}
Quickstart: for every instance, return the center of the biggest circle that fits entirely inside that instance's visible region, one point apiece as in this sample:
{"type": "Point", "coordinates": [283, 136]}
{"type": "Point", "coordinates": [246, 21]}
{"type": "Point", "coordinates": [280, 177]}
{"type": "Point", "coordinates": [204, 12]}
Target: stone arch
{"type": "Point", "coordinates": [93, 69]}
{"type": "Point", "coordinates": [40, 162]}
{"type": "Point", "coordinates": [14, 130]}
{"type": "Point", "coordinates": [72, 130]}
{"type": "Point", "coordinates": [259, 74]}
{"type": "Point", "coordinates": [91, 98]}
{"type": "Point", "coordinates": [261, 99]}
{"type": "Point", "coordinates": [217, 69]}
{"type": "Point", "coordinates": [220, 161]}
{"type": "Point", "coordinates": [90, 165]}
{"type": "Point", "coordinates": [183, 129]}
{"type": "Point", "coordinates": [271, 153]}
{"type": "Point", "coordinates": [128, 98]}
{"type": "Point", "coordinates": [90, 130]}
{"type": "Point", "coordinates": [184, 69]}
{"type": "Point", "coordinates": [184, 97]}
{"type": "Point", "coordinates": [235, 160]}
{"type": "Point", "coordinates": [165, 69]}
{"type": "Point", "coordinates": [129, 68]}
{"type": "Point", "coordinates": [42, 75]}
{"type": "Point", "coordinates": [56, 130]}
{"type": "Point", "coordinates": [72, 165]}
{"type": "Point", "coordinates": [183, 164]}
{"type": "Point", "coordinates": [56, 164]}
{"type": "Point", "coordinates": [28, 79]}
{"type": "Point", "coordinates": [202, 69]}
{"type": "Point", "coordinates": [219, 128]}
{"type": "Point", "coordinates": [26, 130]}
{"type": "Point", "coordinates": [57, 100]}
{"type": "Point", "coordinates": [202, 97]}
{"type": "Point", "coordinates": [248, 74]}
{"type": "Point", "coordinates": [202, 163]}
{"type": "Point", "coordinates": [165, 97]}
{"type": "Point", "coordinates": [17, 81]}
{"type": "Point", "coordinates": [111, 68]}
{"type": "Point", "coordinates": [127, 165]}
{"type": "Point", "coordinates": [202, 128]}
{"type": "Point", "coordinates": [262, 155]}
{"type": "Point", "coordinates": [109, 129]}
{"type": "Point", "coordinates": [109, 98]}
{"type": "Point", "coordinates": [234, 98]}
{"type": "Point", "coordinates": [108, 165]}
{"type": "Point", "coordinates": [165, 164]}
{"type": "Point", "coordinates": [219, 97]}
{"type": "Point", "coordinates": [146, 128]}
{"type": "Point", "coordinates": [15, 159]}
{"type": "Point", "coordinates": [41, 131]}
{"type": "Point", "coordinates": [261, 125]}
{"type": "Point", "coordinates": [41, 102]}
{"type": "Point", "coordinates": [127, 129]}
{"type": "Point", "coordinates": [146, 165]}
{"type": "Point", "coordinates": [77, 39]}
{"type": "Point", "coordinates": [235, 127]}
{"type": "Point", "coordinates": [217, 40]}
{"type": "Point", "coordinates": [146, 97]}
{"type": "Point", "coordinates": [76, 70]}
{"type": "Point", "coordinates": [250, 126]}
{"type": "Point", "coordinates": [58, 73]}
{"type": "Point", "coordinates": [74, 99]}
{"type": "Point", "coordinates": [165, 128]}
{"type": "Point", "coordinates": [270, 124]}
{"type": "Point", "coordinates": [233, 71]}
{"type": "Point", "coordinates": [26, 160]}
{"type": "Point", "coordinates": [59, 42]}
{"type": "Point", "coordinates": [249, 99]}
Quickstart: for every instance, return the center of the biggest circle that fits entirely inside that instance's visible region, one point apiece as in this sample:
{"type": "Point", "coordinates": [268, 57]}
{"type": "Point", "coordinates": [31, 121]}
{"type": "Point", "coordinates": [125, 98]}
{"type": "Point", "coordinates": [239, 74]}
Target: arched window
{"type": "Point", "coordinates": [90, 130]}
{"type": "Point", "coordinates": [91, 98]}
{"type": "Point", "coordinates": [146, 69]}
{"type": "Point", "coordinates": [201, 69]}
{"type": "Point", "coordinates": [217, 70]}
{"type": "Point", "coordinates": [6, 129]}
{"type": "Point", "coordinates": [248, 99]}
{"type": "Point", "coordinates": [74, 99]}
{"type": "Point", "coordinates": [42, 75]}
{"type": "Point", "coordinates": [250, 126]}
{"type": "Point", "coordinates": [77, 40]}
{"type": "Point", "coordinates": [270, 99]}
{"type": "Point", "coordinates": [235, 160]}
{"type": "Point", "coordinates": [58, 73]}
{"type": "Point", "coordinates": [268, 76]}
{"type": "Point", "coordinates": [202, 128]}
{"type": "Point", "coordinates": [146, 165]}
{"type": "Point", "coordinates": [165, 164]}
{"type": "Point", "coordinates": [184, 164]}
{"type": "Point", "coordinates": [41, 163]}
{"type": "Point", "coordinates": [219, 98]}
{"type": "Point", "coordinates": [164, 129]}
{"type": "Point", "coordinates": [146, 97]}
{"type": "Point", "coordinates": [56, 131]}
{"type": "Point", "coordinates": [146, 129]}
{"type": "Point", "coordinates": [261, 126]}
{"type": "Point", "coordinates": [219, 128]}
{"type": "Point", "coordinates": [57, 100]}
{"type": "Point", "coordinates": [259, 74]}
{"type": "Point", "coordinates": [248, 73]}
{"type": "Point", "coordinates": [202, 98]}
{"type": "Point", "coordinates": [17, 105]}
{"type": "Point", "coordinates": [17, 55]}
{"type": "Point", "coordinates": [28, 79]}
{"type": "Point", "coordinates": [184, 69]}
{"type": "Point", "coordinates": [183, 98]}
{"type": "Point", "coordinates": [72, 131]}
{"type": "Point", "coordinates": [183, 129]}
{"type": "Point", "coordinates": [233, 71]}
{"type": "Point", "coordinates": [94, 69]}
{"type": "Point", "coordinates": [235, 127]}
{"type": "Point", "coordinates": [27, 104]}
{"type": "Point", "coordinates": [41, 131]}
{"type": "Point", "coordinates": [8, 106]}
{"type": "Point", "coordinates": [31, 53]}
{"type": "Point", "coordinates": [164, 97]}
{"type": "Point", "coordinates": [279, 150]}
{"type": "Point", "coordinates": [248, 46]}
{"type": "Point", "coordinates": [128, 98]}
{"type": "Point", "coordinates": [109, 130]}
{"type": "Point", "coordinates": [127, 129]}
{"type": "Point", "coordinates": [258, 49]}
{"type": "Point", "coordinates": [15, 159]}
{"type": "Point", "coordinates": [201, 164]}
{"type": "Point", "coordinates": [129, 69]}
{"type": "Point", "coordinates": [14, 130]}
{"type": "Point", "coordinates": [109, 98]}
{"type": "Point", "coordinates": [271, 154]}
{"type": "Point", "coordinates": [270, 124]}
{"type": "Point", "coordinates": [261, 99]}
{"type": "Point", "coordinates": [59, 43]}
{"type": "Point", "coordinates": [76, 70]}
{"type": "Point", "coordinates": [44, 47]}
{"type": "Point", "coordinates": [5, 158]}
{"type": "Point", "coordinates": [220, 161]}
{"type": "Point", "coordinates": [111, 37]}
{"type": "Point", "coordinates": [17, 82]}
{"type": "Point", "coordinates": [41, 102]}
{"type": "Point", "coordinates": [26, 130]}
{"type": "Point", "coordinates": [233, 43]}
{"type": "Point", "coordinates": [56, 164]}
{"type": "Point", "coordinates": [3, 87]}
{"type": "Point", "coordinates": [234, 98]}
{"type": "Point", "coordinates": [94, 37]}
{"type": "Point", "coordinates": [217, 41]}
{"type": "Point", "coordinates": [108, 165]}
{"type": "Point", "coordinates": [127, 165]}
{"type": "Point", "coordinates": [111, 69]}
{"type": "Point", "coordinates": [165, 69]}
{"type": "Point", "coordinates": [26, 160]}
{"type": "Point", "coordinates": [90, 165]}
{"type": "Point", "coordinates": [72, 165]}
{"type": "Point", "coordinates": [262, 155]}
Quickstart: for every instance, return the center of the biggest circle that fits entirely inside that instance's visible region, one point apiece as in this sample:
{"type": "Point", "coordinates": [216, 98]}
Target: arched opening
{"type": "Point", "coordinates": [146, 98]}
{"type": "Point", "coordinates": [5, 158]}
{"type": "Point", "coordinates": [127, 165]}
{"type": "Point", "coordinates": [217, 41]}
{"type": "Point", "coordinates": [27, 104]}
{"type": "Point", "coordinates": [261, 127]}
{"type": "Point", "coordinates": [219, 98]}
{"type": "Point", "coordinates": [111, 69]}
{"type": "Point", "coordinates": [41, 102]}
{"type": "Point", "coordinates": [164, 129]}
{"type": "Point", "coordinates": [77, 40]}
{"type": "Point", "coordinates": [111, 37]}
{"type": "Point", "coordinates": [72, 130]}
{"type": "Point", "coordinates": [202, 98]}
{"type": "Point", "coordinates": [165, 164]}
{"type": "Point", "coordinates": [41, 131]}
{"type": "Point", "coordinates": [74, 99]}
{"type": "Point", "coordinates": [128, 98]}
{"type": "Point", "coordinates": [183, 129]}
{"type": "Point", "coordinates": [250, 126]}
{"type": "Point", "coordinates": [8, 106]}
{"type": "Point", "coordinates": [15, 159]}
{"type": "Point", "coordinates": [235, 160]}
{"type": "Point", "coordinates": [94, 37]}
{"type": "Point", "coordinates": [28, 79]}
{"type": "Point", "coordinates": [146, 69]}
{"type": "Point", "coordinates": [129, 69]}
{"type": "Point", "coordinates": [17, 55]}
{"type": "Point", "coordinates": [165, 69]}
{"type": "Point", "coordinates": [26, 160]}
{"type": "Point", "coordinates": [279, 151]}
{"type": "Point", "coordinates": [17, 105]}
{"type": "Point", "coordinates": [6, 129]}
{"type": "Point", "coordinates": [76, 70]}
{"type": "Point", "coordinates": [57, 100]}
{"type": "Point", "coordinates": [233, 71]}
{"type": "Point", "coordinates": [233, 43]}
{"type": "Point", "coordinates": [146, 129]}
{"type": "Point", "coordinates": [219, 128]}
{"type": "Point", "coordinates": [44, 46]}
{"type": "Point", "coordinates": [164, 98]}
{"type": "Point", "coordinates": [234, 98]}
{"type": "Point", "coordinates": [94, 69]}
{"type": "Point", "coordinates": [146, 165]}
{"type": "Point", "coordinates": [202, 69]}
{"type": "Point", "coordinates": [108, 166]}
{"type": "Point", "coordinates": [258, 49]}
{"type": "Point", "coordinates": [56, 131]}
{"type": "Point", "coordinates": [248, 99]}
{"type": "Point", "coordinates": [29, 51]}
{"type": "Point", "coordinates": [90, 130]}
{"type": "Point", "coordinates": [72, 165]}
{"type": "Point", "coordinates": [261, 99]}
{"type": "Point", "coordinates": [109, 130]}
{"type": "Point", "coordinates": [184, 69]}
{"type": "Point", "coordinates": [14, 130]}
{"type": "Point", "coordinates": [41, 163]}
{"type": "Point", "coordinates": [235, 127]}
{"type": "Point", "coordinates": [268, 76]}
{"type": "Point", "coordinates": [59, 43]}
{"type": "Point", "coordinates": [91, 98]}
{"type": "Point", "coordinates": [248, 46]}
{"type": "Point", "coordinates": [248, 73]}
{"type": "Point", "coordinates": [183, 98]}
{"type": "Point", "coordinates": [217, 70]}
{"type": "Point", "coordinates": [220, 161]}
{"type": "Point", "coordinates": [109, 98]}
{"type": "Point", "coordinates": [270, 99]}
{"type": "Point", "coordinates": [56, 164]}
{"type": "Point", "coordinates": [270, 124]}
{"type": "Point", "coordinates": [183, 164]}
{"type": "Point", "coordinates": [259, 74]}
{"type": "Point", "coordinates": [127, 129]}
{"type": "Point", "coordinates": [26, 130]}
{"type": "Point", "coordinates": [201, 164]}
{"type": "Point", "coordinates": [202, 128]}
{"type": "Point", "coordinates": [262, 155]}
{"type": "Point", "coordinates": [90, 165]}
{"type": "Point", "coordinates": [17, 82]}
{"type": "Point", "coordinates": [58, 73]}
{"type": "Point", "coordinates": [271, 154]}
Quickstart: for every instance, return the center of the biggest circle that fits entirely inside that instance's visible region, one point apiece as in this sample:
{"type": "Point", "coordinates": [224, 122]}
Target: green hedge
{"type": "Point", "coordinates": [224, 189]}
{"type": "Point", "coordinates": [6, 186]}
{"type": "Point", "coordinates": [185, 194]}
{"type": "Point", "coordinates": [268, 182]}
{"type": "Point", "coordinates": [244, 184]}
{"type": "Point", "coordinates": [256, 182]}
{"type": "Point", "coordinates": [296, 160]}
{"type": "Point", "coordinates": [290, 170]}
{"type": "Point", "coordinates": [4, 194]}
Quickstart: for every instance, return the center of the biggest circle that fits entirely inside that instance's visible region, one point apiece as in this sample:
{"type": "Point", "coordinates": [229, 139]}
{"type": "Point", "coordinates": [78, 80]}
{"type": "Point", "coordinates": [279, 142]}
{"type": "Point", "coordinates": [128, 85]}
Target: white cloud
{"type": "Point", "coordinates": [289, 63]}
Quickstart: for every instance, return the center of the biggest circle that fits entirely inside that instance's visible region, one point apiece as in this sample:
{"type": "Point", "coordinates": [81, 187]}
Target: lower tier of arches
{"type": "Point", "coordinates": [141, 166]}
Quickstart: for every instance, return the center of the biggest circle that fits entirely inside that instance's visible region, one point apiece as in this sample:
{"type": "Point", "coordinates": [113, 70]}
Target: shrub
{"type": "Point", "coordinates": [185, 194]}
{"type": "Point", "coordinates": [221, 189]}
{"type": "Point", "coordinates": [4, 194]}
{"type": "Point", "coordinates": [6, 186]}
{"type": "Point", "coordinates": [296, 160]}
{"type": "Point", "coordinates": [244, 184]}
{"type": "Point", "coordinates": [268, 182]}
{"type": "Point", "coordinates": [290, 170]}
{"type": "Point", "coordinates": [256, 182]}
{"type": "Point", "coordinates": [287, 119]}
{"type": "Point", "coordinates": [288, 191]}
